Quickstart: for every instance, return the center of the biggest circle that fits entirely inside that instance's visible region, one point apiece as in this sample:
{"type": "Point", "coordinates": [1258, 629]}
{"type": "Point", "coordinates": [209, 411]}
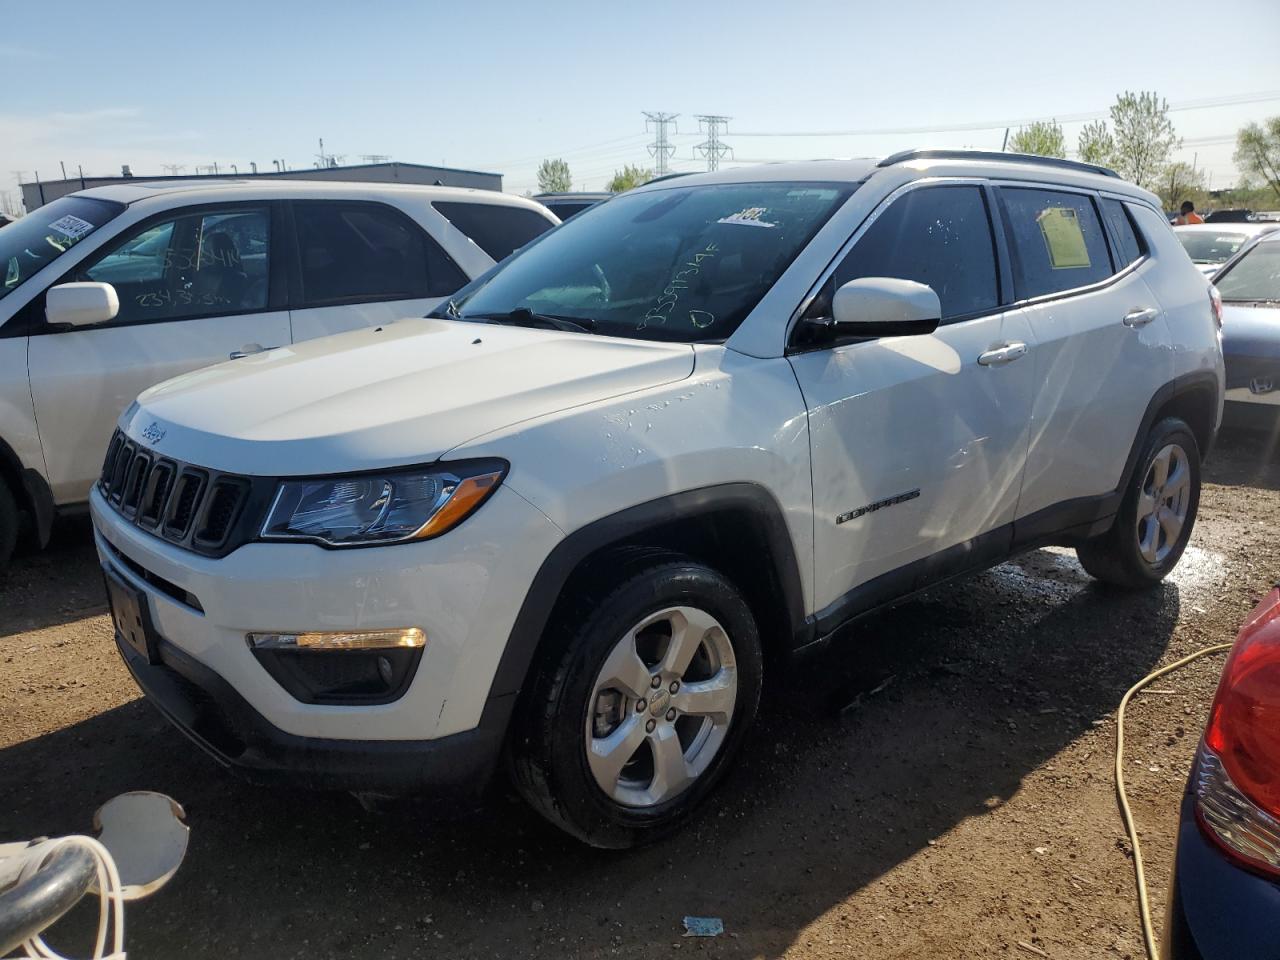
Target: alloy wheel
{"type": "Point", "coordinates": [661, 706]}
{"type": "Point", "coordinates": [1163, 503]}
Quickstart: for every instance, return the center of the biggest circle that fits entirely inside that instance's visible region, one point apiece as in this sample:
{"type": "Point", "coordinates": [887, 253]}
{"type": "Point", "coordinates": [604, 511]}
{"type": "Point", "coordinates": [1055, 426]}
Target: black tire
{"type": "Point", "coordinates": [10, 522]}
{"type": "Point", "coordinates": [548, 750]}
{"type": "Point", "coordinates": [1116, 557]}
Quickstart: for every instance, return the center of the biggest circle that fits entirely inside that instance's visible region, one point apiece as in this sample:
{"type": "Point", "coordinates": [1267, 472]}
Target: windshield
{"type": "Point", "coordinates": [1255, 276]}
{"type": "Point", "coordinates": [684, 264]}
{"type": "Point", "coordinates": [32, 243]}
{"type": "Point", "coordinates": [1211, 246]}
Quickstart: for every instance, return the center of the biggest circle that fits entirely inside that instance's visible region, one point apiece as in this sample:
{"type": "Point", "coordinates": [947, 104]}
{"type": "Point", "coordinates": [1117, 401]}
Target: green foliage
{"type": "Point", "coordinates": [628, 178]}
{"type": "Point", "coordinates": [1096, 145]}
{"type": "Point", "coordinates": [1258, 154]}
{"type": "Point", "coordinates": [1144, 137]}
{"type": "Point", "coordinates": [553, 177]}
{"type": "Point", "coordinates": [1179, 182]}
{"type": "Point", "coordinates": [1042, 138]}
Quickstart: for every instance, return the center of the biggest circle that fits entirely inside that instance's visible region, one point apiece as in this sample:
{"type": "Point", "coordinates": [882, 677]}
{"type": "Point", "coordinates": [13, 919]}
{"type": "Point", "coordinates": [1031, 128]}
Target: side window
{"type": "Point", "coordinates": [940, 236]}
{"type": "Point", "coordinates": [497, 229]}
{"type": "Point", "coordinates": [354, 252]}
{"type": "Point", "coordinates": [198, 264]}
{"type": "Point", "coordinates": [1056, 241]}
{"type": "Point", "coordinates": [1122, 228]}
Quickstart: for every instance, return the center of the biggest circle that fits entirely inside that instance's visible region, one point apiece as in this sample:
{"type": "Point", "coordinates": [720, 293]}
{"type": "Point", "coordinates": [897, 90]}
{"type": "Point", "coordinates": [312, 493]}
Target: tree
{"type": "Point", "coordinates": [1258, 154]}
{"type": "Point", "coordinates": [1144, 137]}
{"type": "Point", "coordinates": [1096, 145]}
{"type": "Point", "coordinates": [628, 178]}
{"type": "Point", "coordinates": [1042, 138]}
{"type": "Point", "coordinates": [1181, 181]}
{"type": "Point", "coordinates": [553, 177]}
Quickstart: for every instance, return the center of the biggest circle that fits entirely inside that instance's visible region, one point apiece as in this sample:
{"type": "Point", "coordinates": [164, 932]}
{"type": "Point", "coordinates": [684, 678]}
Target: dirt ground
{"type": "Point", "coordinates": [939, 786]}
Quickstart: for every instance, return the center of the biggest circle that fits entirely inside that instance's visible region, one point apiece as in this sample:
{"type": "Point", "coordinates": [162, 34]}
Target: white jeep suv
{"type": "Point", "coordinates": [108, 291]}
{"type": "Point", "coordinates": [569, 518]}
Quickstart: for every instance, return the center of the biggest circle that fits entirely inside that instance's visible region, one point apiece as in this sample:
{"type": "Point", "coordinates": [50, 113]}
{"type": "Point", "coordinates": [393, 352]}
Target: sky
{"type": "Point", "coordinates": [498, 86]}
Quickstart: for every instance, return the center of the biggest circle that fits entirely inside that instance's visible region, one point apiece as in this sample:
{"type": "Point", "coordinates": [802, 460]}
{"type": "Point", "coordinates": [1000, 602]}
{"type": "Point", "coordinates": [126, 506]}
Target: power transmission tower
{"type": "Point", "coordinates": [712, 148]}
{"type": "Point", "coordinates": [661, 149]}
{"type": "Point", "coordinates": [173, 169]}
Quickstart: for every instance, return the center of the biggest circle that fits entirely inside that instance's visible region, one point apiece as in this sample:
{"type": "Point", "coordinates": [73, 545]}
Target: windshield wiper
{"type": "Point", "coordinates": [524, 317]}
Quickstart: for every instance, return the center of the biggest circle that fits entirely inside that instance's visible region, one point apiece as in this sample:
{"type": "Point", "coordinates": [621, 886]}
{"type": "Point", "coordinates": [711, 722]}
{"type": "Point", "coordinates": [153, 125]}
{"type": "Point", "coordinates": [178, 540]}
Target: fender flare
{"type": "Point", "coordinates": [560, 564]}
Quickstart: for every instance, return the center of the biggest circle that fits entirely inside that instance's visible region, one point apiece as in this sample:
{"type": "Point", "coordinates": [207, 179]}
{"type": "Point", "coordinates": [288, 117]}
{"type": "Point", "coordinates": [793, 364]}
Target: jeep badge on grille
{"type": "Point", "coordinates": [153, 434]}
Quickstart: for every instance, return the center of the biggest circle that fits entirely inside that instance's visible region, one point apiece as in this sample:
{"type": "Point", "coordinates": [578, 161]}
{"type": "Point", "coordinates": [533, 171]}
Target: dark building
{"type": "Point", "coordinates": [36, 195]}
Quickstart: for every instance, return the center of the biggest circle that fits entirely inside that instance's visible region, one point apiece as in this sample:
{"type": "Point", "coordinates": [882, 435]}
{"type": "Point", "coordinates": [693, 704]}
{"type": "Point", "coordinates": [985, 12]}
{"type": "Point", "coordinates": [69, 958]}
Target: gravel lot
{"type": "Point", "coordinates": [939, 786]}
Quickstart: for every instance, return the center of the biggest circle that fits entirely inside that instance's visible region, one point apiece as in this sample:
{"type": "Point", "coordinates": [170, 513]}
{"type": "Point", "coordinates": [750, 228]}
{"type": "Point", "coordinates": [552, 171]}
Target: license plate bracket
{"type": "Point", "coordinates": [131, 615]}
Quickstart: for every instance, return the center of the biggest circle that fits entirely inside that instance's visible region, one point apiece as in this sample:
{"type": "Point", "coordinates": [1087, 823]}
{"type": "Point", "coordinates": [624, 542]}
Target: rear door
{"type": "Point", "coordinates": [918, 443]}
{"type": "Point", "coordinates": [361, 263]}
{"type": "Point", "coordinates": [195, 286]}
{"type": "Point", "coordinates": [1102, 347]}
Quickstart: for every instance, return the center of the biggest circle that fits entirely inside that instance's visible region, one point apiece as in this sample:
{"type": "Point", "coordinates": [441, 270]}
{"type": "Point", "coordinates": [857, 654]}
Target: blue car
{"type": "Point", "coordinates": [1249, 284]}
{"type": "Point", "coordinates": [1225, 899]}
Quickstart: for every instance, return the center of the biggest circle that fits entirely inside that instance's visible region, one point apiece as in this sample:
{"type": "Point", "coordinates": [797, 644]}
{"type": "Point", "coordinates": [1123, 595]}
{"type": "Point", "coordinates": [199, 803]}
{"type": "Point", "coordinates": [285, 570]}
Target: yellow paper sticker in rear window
{"type": "Point", "coordinates": [1063, 238]}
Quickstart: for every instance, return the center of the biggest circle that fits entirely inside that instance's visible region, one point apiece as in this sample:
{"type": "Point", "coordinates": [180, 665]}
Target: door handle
{"type": "Point", "coordinates": [999, 356]}
{"type": "Point", "coordinates": [1140, 317]}
{"type": "Point", "coordinates": [248, 350]}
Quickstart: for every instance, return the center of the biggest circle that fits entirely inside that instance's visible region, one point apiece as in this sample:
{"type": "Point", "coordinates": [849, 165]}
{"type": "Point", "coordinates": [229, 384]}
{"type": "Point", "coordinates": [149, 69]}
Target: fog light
{"type": "Point", "coordinates": [410, 637]}
{"type": "Point", "coordinates": [350, 667]}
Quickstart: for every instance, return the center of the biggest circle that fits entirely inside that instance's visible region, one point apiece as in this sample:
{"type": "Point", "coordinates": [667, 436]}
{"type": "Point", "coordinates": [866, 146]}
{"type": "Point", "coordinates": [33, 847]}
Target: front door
{"type": "Point", "coordinates": [918, 443]}
{"type": "Point", "coordinates": [194, 288]}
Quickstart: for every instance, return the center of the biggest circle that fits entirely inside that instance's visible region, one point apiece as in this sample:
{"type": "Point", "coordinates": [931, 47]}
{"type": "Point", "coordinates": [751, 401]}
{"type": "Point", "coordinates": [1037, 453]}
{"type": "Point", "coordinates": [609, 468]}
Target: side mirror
{"type": "Point", "coordinates": [81, 304]}
{"type": "Point", "coordinates": [884, 307]}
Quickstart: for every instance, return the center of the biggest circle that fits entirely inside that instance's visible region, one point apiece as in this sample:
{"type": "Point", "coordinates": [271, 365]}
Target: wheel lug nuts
{"type": "Point", "coordinates": [640, 705]}
{"type": "Point", "coordinates": [675, 685]}
{"type": "Point", "coordinates": [656, 682]}
{"type": "Point", "coordinates": [648, 727]}
{"type": "Point", "coordinates": [671, 714]}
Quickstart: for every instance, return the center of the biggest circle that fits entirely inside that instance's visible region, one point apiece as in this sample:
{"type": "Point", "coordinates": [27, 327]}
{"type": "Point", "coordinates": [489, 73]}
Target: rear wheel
{"type": "Point", "coordinates": [645, 699]}
{"type": "Point", "coordinates": [1156, 515]}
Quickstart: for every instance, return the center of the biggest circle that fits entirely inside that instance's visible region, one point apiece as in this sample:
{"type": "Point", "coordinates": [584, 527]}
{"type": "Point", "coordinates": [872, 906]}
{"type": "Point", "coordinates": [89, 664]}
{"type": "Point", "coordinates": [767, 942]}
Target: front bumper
{"type": "Point", "coordinates": [463, 589]}
{"type": "Point", "coordinates": [1217, 910]}
{"type": "Point", "coordinates": [221, 722]}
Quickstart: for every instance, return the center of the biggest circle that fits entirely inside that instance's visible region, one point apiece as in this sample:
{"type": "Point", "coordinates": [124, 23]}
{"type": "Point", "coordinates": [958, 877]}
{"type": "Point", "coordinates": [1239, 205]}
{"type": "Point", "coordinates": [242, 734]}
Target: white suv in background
{"type": "Point", "coordinates": [569, 518]}
{"type": "Point", "coordinates": [110, 290]}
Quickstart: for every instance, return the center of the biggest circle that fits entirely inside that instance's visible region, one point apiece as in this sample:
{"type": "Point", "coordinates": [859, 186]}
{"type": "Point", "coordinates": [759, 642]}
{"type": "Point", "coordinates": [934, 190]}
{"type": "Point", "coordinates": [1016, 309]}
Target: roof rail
{"type": "Point", "coordinates": [906, 155]}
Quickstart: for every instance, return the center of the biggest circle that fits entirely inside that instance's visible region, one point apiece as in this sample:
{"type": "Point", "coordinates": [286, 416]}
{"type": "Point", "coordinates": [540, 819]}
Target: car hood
{"type": "Point", "coordinates": [406, 392]}
{"type": "Point", "coordinates": [1250, 331]}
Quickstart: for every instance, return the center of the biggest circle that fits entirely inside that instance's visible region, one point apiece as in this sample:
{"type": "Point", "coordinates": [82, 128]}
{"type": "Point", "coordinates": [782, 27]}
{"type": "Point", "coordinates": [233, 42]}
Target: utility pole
{"type": "Point", "coordinates": [712, 148]}
{"type": "Point", "coordinates": [173, 169]}
{"type": "Point", "coordinates": [661, 149]}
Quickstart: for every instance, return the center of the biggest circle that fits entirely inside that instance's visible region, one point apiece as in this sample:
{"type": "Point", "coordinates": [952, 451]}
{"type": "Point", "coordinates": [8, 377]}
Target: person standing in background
{"type": "Point", "coordinates": [1188, 214]}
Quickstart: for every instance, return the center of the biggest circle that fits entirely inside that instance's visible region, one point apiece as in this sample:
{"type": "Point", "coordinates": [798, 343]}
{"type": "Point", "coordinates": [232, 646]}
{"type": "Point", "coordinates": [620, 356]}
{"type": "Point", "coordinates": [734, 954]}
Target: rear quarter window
{"type": "Point", "coordinates": [1130, 245]}
{"type": "Point", "coordinates": [497, 229]}
{"type": "Point", "coordinates": [1056, 240]}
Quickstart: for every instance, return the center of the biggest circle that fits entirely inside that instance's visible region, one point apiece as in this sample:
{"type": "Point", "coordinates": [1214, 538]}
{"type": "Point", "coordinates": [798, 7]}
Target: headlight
{"type": "Point", "coordinates": [387, 507]}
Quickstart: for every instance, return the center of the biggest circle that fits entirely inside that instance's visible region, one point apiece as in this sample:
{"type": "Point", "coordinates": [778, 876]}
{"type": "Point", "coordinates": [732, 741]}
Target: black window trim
{"type": "Point", "coordinates": [1094, 196]}
{"type": "Point", "coordinates": [296, 299]}
{"type": "Point", "coordinates": [1004, 272]}
{"type": "Point", "coordinates": [276, 293]}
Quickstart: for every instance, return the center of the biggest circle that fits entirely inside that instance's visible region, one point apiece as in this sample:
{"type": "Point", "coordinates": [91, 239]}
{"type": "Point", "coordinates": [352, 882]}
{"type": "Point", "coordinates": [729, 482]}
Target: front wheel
{"type": "Point", "coordinates": [645, 696]}
{"type": "Point", "coordinates": [9, 524]}
{"type": "Point", "coordinates": [1156, 515]}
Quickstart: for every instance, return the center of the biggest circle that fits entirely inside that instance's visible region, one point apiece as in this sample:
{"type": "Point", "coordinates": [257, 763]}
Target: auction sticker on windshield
{"type": "Point", "coordinates": [751, 217]}
{"type": "Point", "coordinates": [73, 228]}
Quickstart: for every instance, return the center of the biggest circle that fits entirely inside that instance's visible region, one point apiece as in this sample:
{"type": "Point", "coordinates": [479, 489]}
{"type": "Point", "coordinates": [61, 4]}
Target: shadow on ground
{"type": "Point", "coordinates": [920, 717]}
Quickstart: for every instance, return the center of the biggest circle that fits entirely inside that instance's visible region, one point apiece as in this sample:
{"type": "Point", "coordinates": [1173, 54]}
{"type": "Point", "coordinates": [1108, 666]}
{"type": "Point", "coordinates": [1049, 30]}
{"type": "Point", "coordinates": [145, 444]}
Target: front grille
{"type": "Point", "coordinates": [200, 509]}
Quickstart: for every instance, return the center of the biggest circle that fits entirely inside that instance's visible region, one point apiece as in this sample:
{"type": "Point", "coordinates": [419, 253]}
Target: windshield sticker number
{"type": "Point", "coordinates": [660, 312]}
{"type": "Point", "coordinates": [73, 228]}
{"type": "Point", "coordinates": [750, 217]}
